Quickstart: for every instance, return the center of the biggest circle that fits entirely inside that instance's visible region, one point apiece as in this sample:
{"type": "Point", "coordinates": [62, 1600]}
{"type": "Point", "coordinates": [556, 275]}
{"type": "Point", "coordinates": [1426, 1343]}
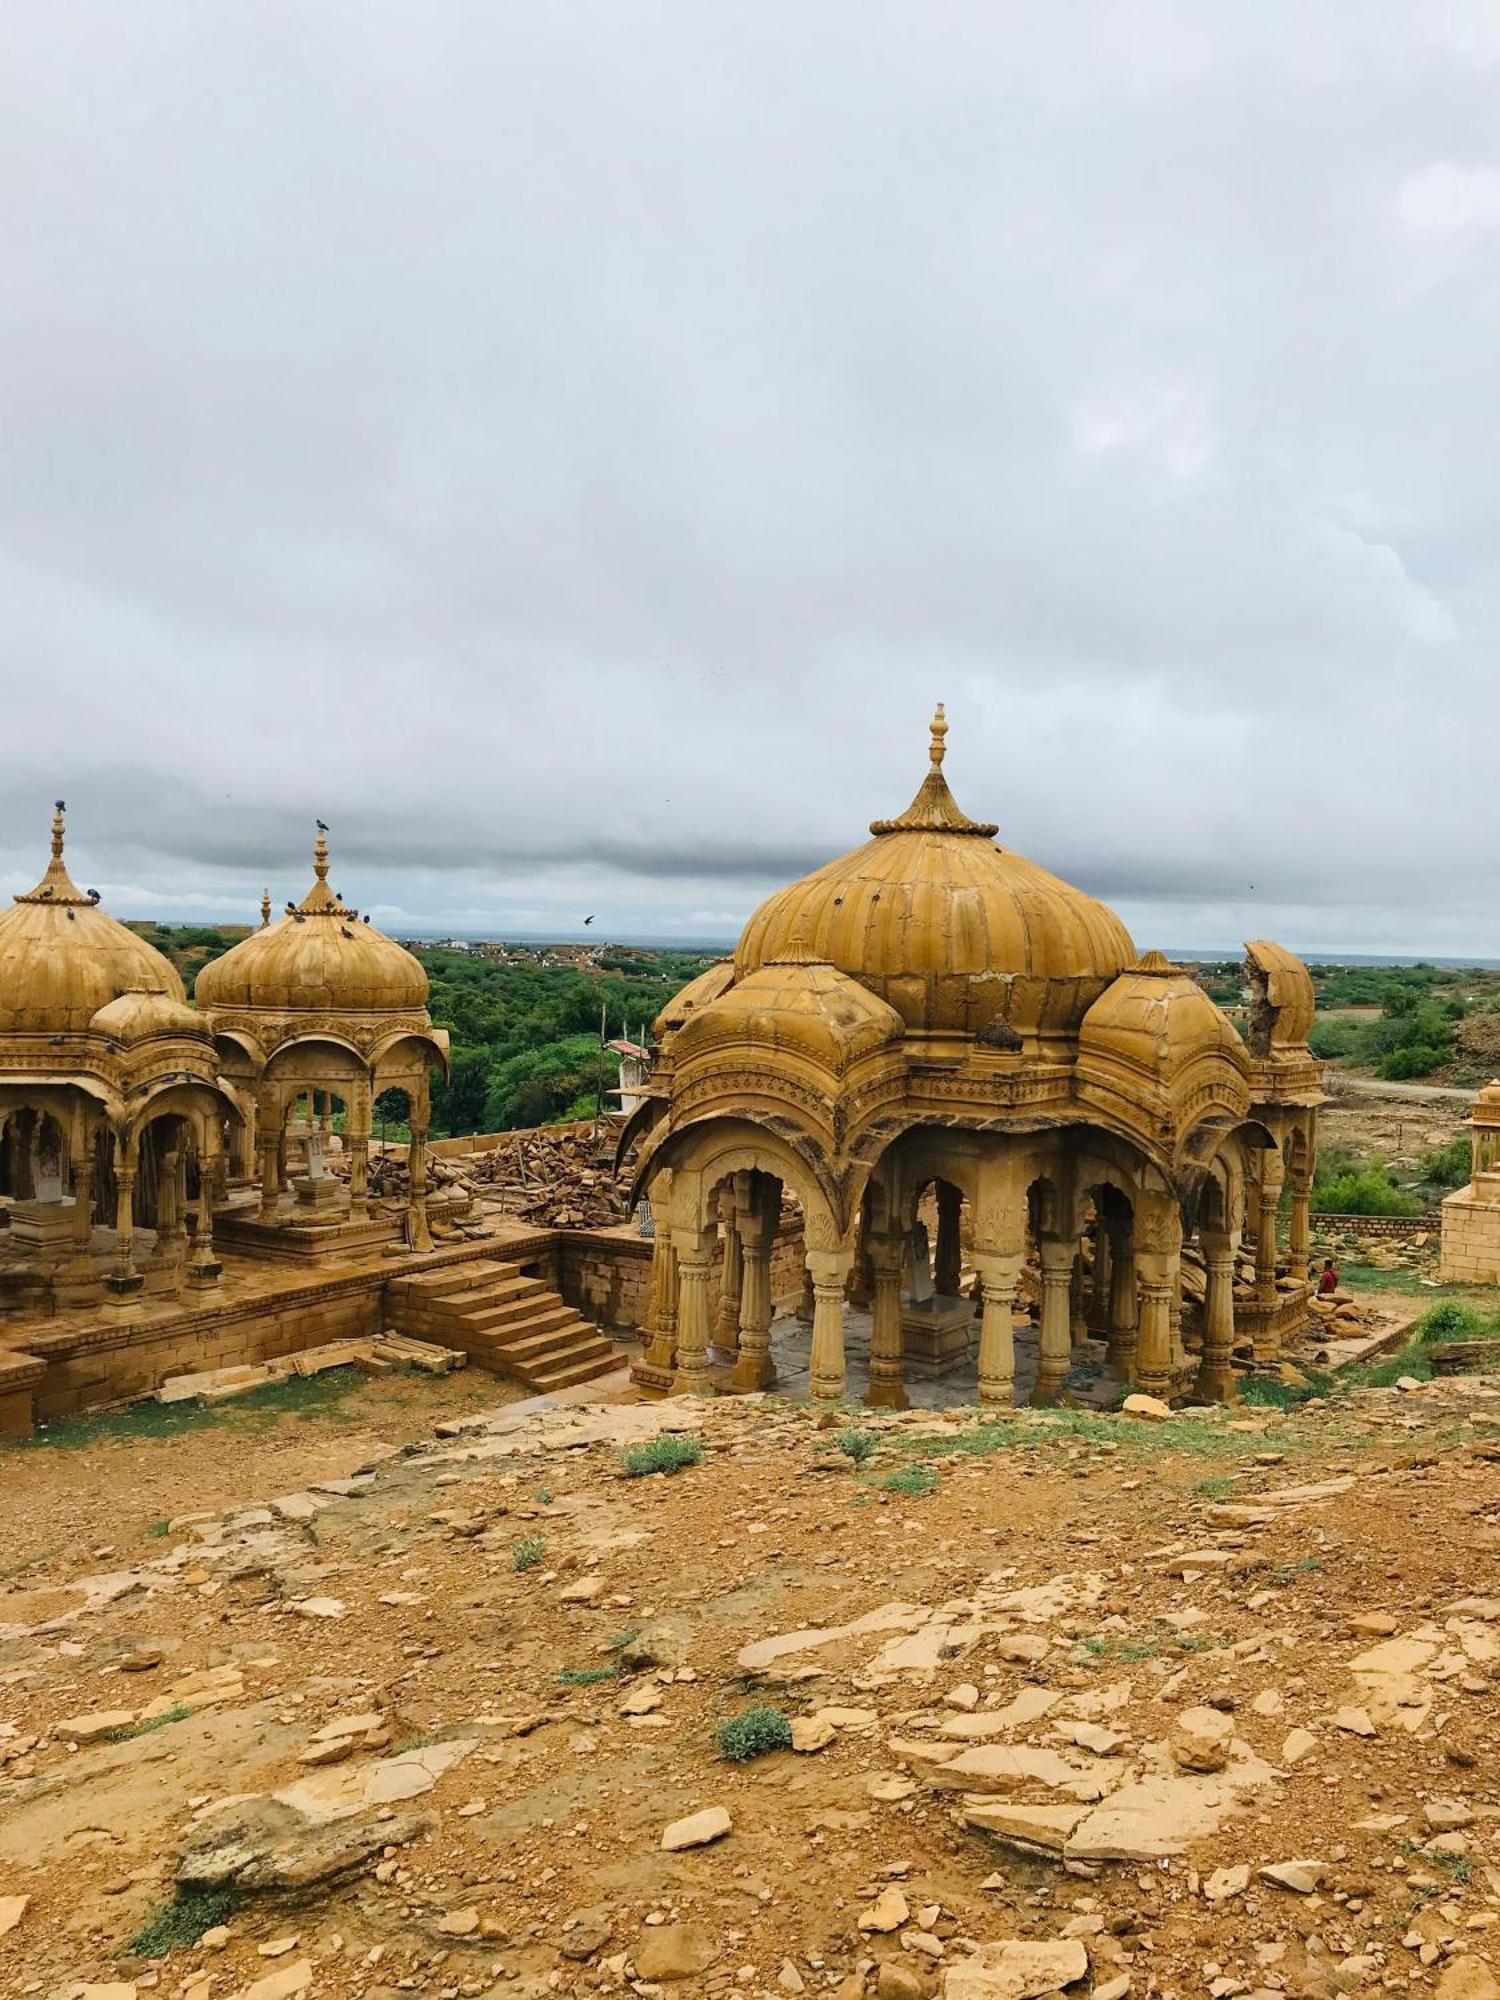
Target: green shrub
{"type": "Point", "coordinates": [667, 1453]}
{"type": "Point", "coordinates": [858, 1445]}
{"type": "Point", "coordinates": [912, 1479]}
{"type": "Point", "coordinates": [528, 1552]}
{"type": "Point", "coordinates": [1346, 1185]}
{"type": "Point", "coordinates": [1450, 1166]}
{"type": "Point", "coordinates": [1449, 1321]}
{"type": "Point", "coordinates": [1413, 1059]}
{"type": "Point", "coordinates": [178, 1925]}
{"type": "Point", "coordinates": [582, 1677]}
{"type": "Point", "coordinates": [754, 1734]}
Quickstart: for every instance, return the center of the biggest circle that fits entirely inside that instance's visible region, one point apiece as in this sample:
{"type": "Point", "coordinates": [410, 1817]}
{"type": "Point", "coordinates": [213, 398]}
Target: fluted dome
{"type": "Point", "coordinates": [62, 958]}
{"type": "Point", "coordinates": [319, 958]}
{"type": "Point", "coordinates": [141, 1013]}
{"type": "Point", "coordinates": [953, 931]}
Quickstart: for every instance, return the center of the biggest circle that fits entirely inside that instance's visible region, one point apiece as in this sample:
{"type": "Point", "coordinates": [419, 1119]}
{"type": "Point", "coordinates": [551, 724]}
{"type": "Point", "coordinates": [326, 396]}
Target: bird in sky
{"type": "Point", "coordinates": [588, 920]}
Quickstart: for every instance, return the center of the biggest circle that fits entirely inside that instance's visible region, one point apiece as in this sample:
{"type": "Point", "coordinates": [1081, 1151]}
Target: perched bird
{"type": "Point", "coordinates": [322, 826]}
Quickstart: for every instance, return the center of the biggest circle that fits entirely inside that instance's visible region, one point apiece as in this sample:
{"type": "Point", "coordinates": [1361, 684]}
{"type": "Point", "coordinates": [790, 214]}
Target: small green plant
{"type": "Point", "coordinates": [1099, 1646]}
{"type": "Point", "coordinates": [1195, 1642]}
{"type": "Point", "coordinates": [157, 1529]}
{"type": "Point", "coordinates": [913, 1480]}
{"type": "Point", "coordinates": [582, 1677]}
{"type": "Point", "coordinates": [1214, 1489]}
{"type": "Point", "coordinates": [544, 1496]}
{"type": "Point", "coordinates": [668, 1453]}
{"type": "Point", "coordinates": [621, 1640]}
{"type": "Point", "coordinates": [756, 1733]}
{"type": "Point", "coordinates": [178, 1925]}
{"type": "Point", "coordinates": [128, 1731]}
{"type": "Point", "coordinates": [529, 1551]}
{"type": "Point", "coordinates": [858, 1445]}
{"type": "Point", "coordinates": [1449, 1321]}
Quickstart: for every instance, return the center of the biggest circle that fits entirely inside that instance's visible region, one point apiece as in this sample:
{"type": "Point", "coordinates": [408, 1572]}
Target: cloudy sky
{"type": "Point", "coordinates": [570, 448]}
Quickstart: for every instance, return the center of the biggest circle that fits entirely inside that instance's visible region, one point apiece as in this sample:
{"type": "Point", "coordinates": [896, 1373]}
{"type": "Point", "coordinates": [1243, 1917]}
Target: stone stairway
{"type": "Point", "coordinates": [503, 1321]}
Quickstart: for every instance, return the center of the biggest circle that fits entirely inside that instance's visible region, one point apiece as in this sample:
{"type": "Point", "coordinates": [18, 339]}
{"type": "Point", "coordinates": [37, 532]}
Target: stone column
{"type": "Point", "coordinates": [24, 1127]}
{"type": "Point", "coordinates": [1216, 1372]}
{"type": "Point", "coordinates": [731, 1282]}
{"type": "Point", "coordinates": [1124, 1305]}
{"type": "Point", "coordinates": [1153, 1366]}
{"type": "Point", "coordinates": [947, 1273]}
{"type": "Point", "coordinates": [171, 1172]}
{"type": "Point", "coordinates": [660, 1354]}
{"type": "Point", "coordinates": [998, 1275]}
{"type": "Point", "coordinates": [418, 1235]}
{"type": "Point", "coordinates": [830, 1274]}
{"type": "Point", "coordinates": [1098, 1313]}
{"type": "Point", "coordinates": [806, 1303]}
{"type": "Point", "coordinates": [887, 1391]}
{"type": "Point", "coordinates": [694, 1255]}
{"type": "Point", "coordinates": [83, 1206]}
{"type": "Point", "coordinates": [1269, 1193]}
{"type": "Point", "coordinates": [203, 1267]}
{"type": "Point", "coordinates": [1299, 1235]}
{"type": "Point", "coordinates": [758, 1213]}
{"type": "Point", "coordinates": [268, 1131]}
{"type": "Point", "coordinates": [1055, 1346]}
{"type": "Point", "coordinates": [124, 1281]}
{"type": "Point", "coordinates": [1078, 1322]}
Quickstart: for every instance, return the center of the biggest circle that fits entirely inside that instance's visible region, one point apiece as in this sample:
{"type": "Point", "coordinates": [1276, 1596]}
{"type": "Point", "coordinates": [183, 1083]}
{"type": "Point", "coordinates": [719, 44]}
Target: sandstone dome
{"type": "Point", "coordinates": [62, 958]}
{"type": "Point", "coordinates": [319, 958]}
{"type": "Point", "coordinates": [958, 934]}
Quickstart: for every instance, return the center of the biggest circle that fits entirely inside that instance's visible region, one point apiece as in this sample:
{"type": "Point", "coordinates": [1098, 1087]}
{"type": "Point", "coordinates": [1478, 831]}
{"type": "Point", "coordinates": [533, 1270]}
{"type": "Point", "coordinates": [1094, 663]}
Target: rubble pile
{"type": "Point", "coordinates": [558, 1177]}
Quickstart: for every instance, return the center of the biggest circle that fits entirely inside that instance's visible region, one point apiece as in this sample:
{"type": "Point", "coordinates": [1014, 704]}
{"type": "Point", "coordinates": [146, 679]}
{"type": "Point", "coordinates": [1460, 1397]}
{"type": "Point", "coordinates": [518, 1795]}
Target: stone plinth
{"type": "Point", "coordinates": [937, 1334]}
{"type": "Point", "coordinates": [1471, 1237]}
{"type": "Point", "coordinates": [322, 1193]}
{"type": "Point", "coordinates": [44, 1227]}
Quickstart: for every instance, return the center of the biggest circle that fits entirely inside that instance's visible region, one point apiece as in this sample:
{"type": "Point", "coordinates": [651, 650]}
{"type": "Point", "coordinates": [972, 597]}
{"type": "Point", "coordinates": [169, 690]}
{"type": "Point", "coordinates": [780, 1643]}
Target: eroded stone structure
{"type": "Point", "coordinates": [932, 1014]}
{"type": "Point", "coordinates": [1471, 1215]}
{"type": "Point", "coordinates": [113, 1118]}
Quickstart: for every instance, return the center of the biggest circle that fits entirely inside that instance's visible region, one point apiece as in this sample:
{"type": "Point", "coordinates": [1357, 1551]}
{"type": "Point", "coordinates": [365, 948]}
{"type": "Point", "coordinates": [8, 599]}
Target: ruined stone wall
{"type": "Point", "coordinates": [605, 1274]}
{"type": "Point", "coordinates": [1471, 1241]}
{"type": "Point", "coordinates": [1400, 1228]}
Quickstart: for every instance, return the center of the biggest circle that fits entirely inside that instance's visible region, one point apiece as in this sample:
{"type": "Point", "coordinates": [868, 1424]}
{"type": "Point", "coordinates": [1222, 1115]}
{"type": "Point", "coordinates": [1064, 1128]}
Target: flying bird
{"type": "Point", "coordinates": [588, 920]}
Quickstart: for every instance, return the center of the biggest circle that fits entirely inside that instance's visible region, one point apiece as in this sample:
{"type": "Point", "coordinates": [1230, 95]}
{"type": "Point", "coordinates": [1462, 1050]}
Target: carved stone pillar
{"type": "Point", "coordinates": [1124, 1305]}
{"type": "Point", "coordinates": [806, 1303]}
{"type": "Point", "coordinates": [830, 1274]}
{"type": "Point", "coordinates": [998, 1276]}
{"type": "Point", "coordinates": [124, 1282]}
{"type": "Point", "coordinates": [1216, 1372]}
{"type": "Point", "coordinates": [947, 1270]}
{"type": "Point", "coordinates": [1054, 1344]}
{"type": "Point", "coordinates": [758, 1212]}
{"type": "Point", "coordinates": [1299, 1234]}
{"type": "Point", "coordinates": [23, 1126]}
{"type": "Point", "coordinates": [1158, 1260]}
{"type": "Point", "coordinates": [694, 1255]}
{"type": "Point", "coordinates": [171, 1172]}
{"type": "Point", "coordinates": [1268, 1195]}
{"type": "Point", "coordinates": [731, 1281]}
{"type": "Point", "coordinates": [418, 1234]}
{"type": "Point", "coordinates": [203, 1267]}
{"type": "Point", "coordinates": [83, 1206]}
{"type": "Point", "coordinates": [1078, 1322]}
{"type": "Point", "coordinates": [1098, 1310]}
{"type": "Point", "coordinates": [887, 1391]}
{"type": "Point", "coordinates": [661, 1343]}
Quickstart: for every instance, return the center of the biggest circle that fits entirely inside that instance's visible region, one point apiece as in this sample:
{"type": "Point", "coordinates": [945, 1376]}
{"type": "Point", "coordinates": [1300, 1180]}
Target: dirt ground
{"type": "Point", "coordinates": [1062, 1686]}
{"type": "Point", "coordinates": [1398, 1130]}
{"type": "Point", "coordinates": [97, 1487]}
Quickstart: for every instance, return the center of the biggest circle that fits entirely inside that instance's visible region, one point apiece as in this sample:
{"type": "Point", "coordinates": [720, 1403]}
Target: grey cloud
{"type": "Point", "coordinates": [570, 449]}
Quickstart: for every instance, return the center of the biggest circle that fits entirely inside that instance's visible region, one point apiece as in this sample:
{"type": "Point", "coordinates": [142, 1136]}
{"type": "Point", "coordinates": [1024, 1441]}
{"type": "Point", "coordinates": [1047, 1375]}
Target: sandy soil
{"type": "Point", "coordinates": [528, 1656]}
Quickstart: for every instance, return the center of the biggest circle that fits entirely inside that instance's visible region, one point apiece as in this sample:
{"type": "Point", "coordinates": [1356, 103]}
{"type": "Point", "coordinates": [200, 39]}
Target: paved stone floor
{"type": "Point", "coordinates": [791, 1343]}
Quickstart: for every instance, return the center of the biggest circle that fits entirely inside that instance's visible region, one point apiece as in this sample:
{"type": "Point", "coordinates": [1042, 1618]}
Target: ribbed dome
{"type": "Point", "coordinates": [952, 930]}
{"type": "Point", "coordinates": [137, 1015]}
{"type": "Point", "coordinates": [319, 958]}
{"type": "Point", "coordinates": [62, 958]}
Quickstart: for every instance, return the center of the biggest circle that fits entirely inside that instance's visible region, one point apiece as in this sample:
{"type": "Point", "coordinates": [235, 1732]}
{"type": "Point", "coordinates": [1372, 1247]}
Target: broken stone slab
{"type": "Point", "coordinates": [889, 1911]}
{"type": "Point", "coordinates": [1200, 1739]}
{"type": "Point", "coordinates": [341, 1793]}
{"type": "Point", "coordinates": [811, 1733]}
{"type": "Point", "coordinates": [1468, 1978]}
{"type": "Point", "coordinates": [699, 1829]}
{"type": "Point", "coordinates": [1017, 1969]}
{"type": "Point", "coordinates": [12, 1909]}
{"type": "Point", "coordinates": [261, 1845]}
{"type": "Point", "coordinates": [1396, 1657]}
{"type": "Point", "coordinates": [318, 1607]}
{"type": "Point", "coordinates": [1032, 1829]}
{"type": "Point", "coordinates": [281, 1985]}
{"type": "Point", "coordinates": [1226, 1882]}
{"type": "Point", "coordinates": [1028, 1706]}
{"type": "Point", "coordinates": [1146, 1409]}
{"type": "Point", "coordinates": [1151, 1819]}
{"type": "Point", "coordinates": [91, 1728]}
{"type": "Point", "coordinates": [893, 1617]}
{"type": "Point", "coordinates": [1004, 1767]}
{"type": "Point", "coordinates": [298, 1506]}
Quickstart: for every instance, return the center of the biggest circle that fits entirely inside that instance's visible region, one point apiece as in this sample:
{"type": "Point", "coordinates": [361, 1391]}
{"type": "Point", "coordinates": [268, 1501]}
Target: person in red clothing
{"type": "Point", "coordinates": [1328, 1278]}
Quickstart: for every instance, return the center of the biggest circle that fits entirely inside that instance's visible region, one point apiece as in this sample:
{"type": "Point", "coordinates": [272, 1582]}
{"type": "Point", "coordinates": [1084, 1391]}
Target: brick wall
{"type": "Point", "coordinates": [1400, 1228]}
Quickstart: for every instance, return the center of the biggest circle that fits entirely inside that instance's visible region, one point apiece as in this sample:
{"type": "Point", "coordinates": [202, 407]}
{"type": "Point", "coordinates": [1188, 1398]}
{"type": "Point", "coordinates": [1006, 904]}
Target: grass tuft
{"type": "Point", "coordinates": [582, 1677]}
{"type": "Point", "coordinates": [668, 1453]}
{"type": "Point", "coordinates": [528, 1552]}
{"type": "Point", "coordinates": [128, 1731]}
{"type": "Point", "coordinates": [858, 1445]}
{"type": "Point", "coordinates": [913, 1480]}
{"type": "Point", "coordinates": [755, 1733]}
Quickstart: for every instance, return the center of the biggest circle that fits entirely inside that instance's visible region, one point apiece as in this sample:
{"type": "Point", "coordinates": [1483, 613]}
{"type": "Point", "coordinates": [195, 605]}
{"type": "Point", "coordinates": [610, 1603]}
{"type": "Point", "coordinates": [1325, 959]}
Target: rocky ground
{"type": "Point", "coordinates": [1074, 1703]}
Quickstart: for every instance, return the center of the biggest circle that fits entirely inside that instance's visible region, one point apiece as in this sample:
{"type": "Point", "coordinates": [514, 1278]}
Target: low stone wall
{"type": "Point", "coordinates": [1400, 1228]}
{"type": "Point", "coordinates": [1471, 1240]}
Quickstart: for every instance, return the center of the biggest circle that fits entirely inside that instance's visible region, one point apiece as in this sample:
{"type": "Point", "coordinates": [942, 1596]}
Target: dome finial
{"type": "Point", "coordinates": [320, 852]}
{"type": "Point", "coordinates": [939, 732]}
{"type": "Point", "coordinates": [58, 810]}
{"type": "Point", "coordinates": [934, 809]}
{"type": "Point", "coordinates": [57, 885]}
{"type": "Point", "coordinates": [265, 909]}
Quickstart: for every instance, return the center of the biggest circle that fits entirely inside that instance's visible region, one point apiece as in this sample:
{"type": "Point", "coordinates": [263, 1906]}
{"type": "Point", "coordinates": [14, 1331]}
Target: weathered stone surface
{"type": "Point", "coordinates": [674, 1951]}
{"type": "Point", "coordinates": [811, 1733]}
{"type": "Point", "coordinates": [1016, 1969]}
{"type": "Point", "coordinates": [889, 1911]}
{"type": "Point", "coordinates": [262, 1844]}
{"type": "Point", "coordinates": [339, 1794]}
{"type": "Point", "coordinates": [699, 1829]}
{"type": "Point", "coordinates": [1302, 1877]}
{"type": "Point", "coordinates": [12, 1909]}
{"type": "Point", "coordinates": [1005, 1767]}
{"type": "Point", "coordinates": [1468, 1978]}
{"type": "Point", "coordinates": [283, 1983]}
{"type": "Point", "coordinates": [1151, 1818]}
{"type": "Point", "coordinates": [1200, 1739]}
{"type": "Point", "coordinates": [90, 1728]}
{"type": "Point", "coordinates": [1043, 1829]}
{"type": "Point", "coordinates": [1147, 1409]}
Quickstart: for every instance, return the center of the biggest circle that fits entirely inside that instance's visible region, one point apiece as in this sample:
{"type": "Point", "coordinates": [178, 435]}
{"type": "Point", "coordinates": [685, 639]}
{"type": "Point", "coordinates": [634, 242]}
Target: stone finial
{"type": "Point", "coordinates": [58, 810]}
{"type": "Point", "coordinates": [939, 747]}
{"type": "Point", "coordinates": [934, 809]}
{"type": "Point", "coordinates": [265, 909]}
